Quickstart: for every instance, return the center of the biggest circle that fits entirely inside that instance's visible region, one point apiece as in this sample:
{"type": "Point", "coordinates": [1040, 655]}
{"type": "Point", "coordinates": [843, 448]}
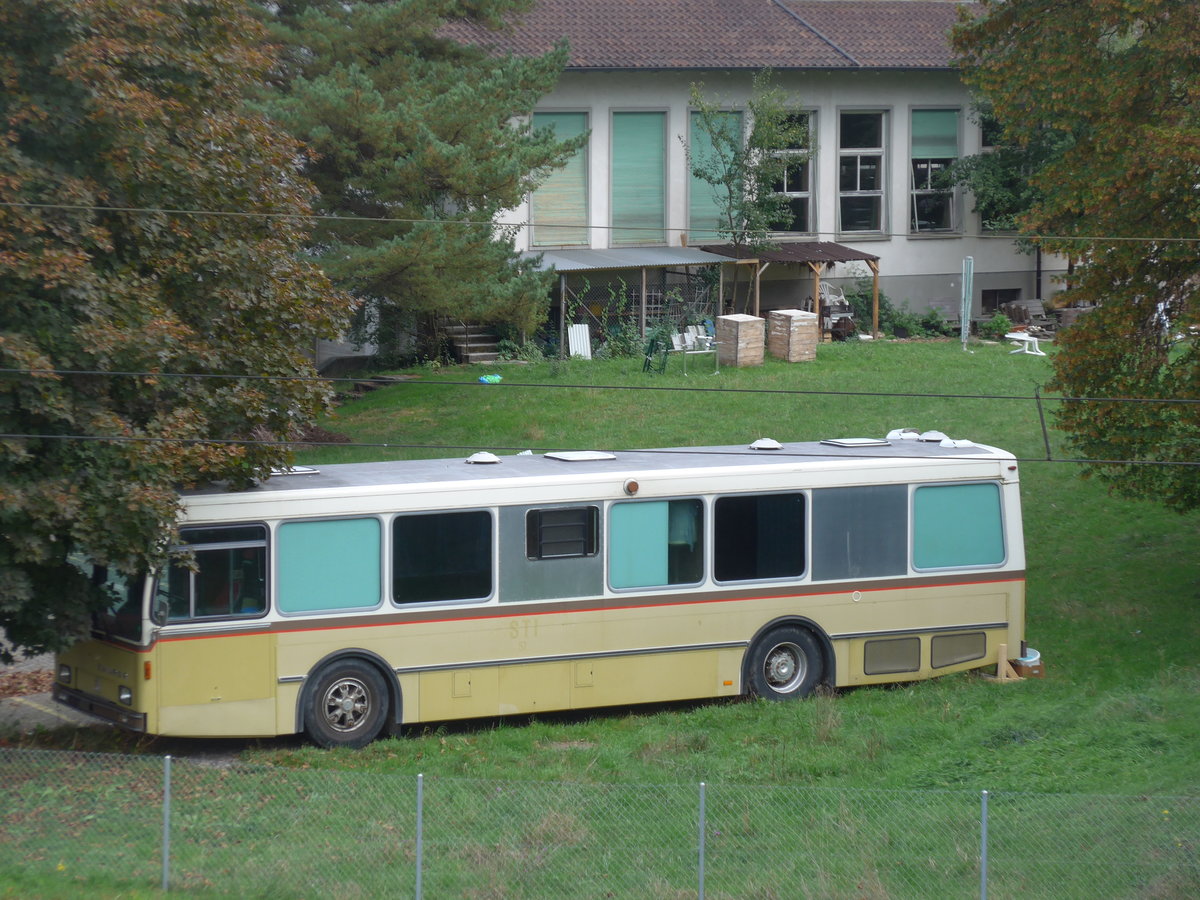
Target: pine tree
{"type": "Point", "coordinates": [428, 136]}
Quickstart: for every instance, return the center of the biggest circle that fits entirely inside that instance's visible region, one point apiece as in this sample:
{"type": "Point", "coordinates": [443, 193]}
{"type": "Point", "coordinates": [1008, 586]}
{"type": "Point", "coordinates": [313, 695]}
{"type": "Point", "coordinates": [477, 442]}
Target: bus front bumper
{"type": "Point", "coordinates": [102, 709]}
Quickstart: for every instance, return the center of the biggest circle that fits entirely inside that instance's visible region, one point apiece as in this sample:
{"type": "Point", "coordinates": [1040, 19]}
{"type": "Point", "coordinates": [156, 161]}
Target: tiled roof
{"type": "Point", "coordinates": [732, 34]}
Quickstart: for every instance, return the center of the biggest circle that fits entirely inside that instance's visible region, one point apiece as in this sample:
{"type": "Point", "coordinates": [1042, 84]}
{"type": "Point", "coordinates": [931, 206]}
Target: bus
{"type": "Point", "coordinates": [356, 599]}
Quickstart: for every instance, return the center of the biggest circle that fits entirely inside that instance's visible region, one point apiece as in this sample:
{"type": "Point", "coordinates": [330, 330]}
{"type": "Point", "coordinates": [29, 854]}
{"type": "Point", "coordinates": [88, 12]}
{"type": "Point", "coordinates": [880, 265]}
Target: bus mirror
{"type": "Point", "coordinates": [160, 607]}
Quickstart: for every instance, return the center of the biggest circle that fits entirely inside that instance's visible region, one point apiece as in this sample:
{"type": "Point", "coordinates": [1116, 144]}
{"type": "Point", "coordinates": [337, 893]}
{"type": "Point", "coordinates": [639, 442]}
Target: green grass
{"type": "Point", "coordinates": [1113, 585]}
{"type": "Point", "coordinates": [1113, 606]}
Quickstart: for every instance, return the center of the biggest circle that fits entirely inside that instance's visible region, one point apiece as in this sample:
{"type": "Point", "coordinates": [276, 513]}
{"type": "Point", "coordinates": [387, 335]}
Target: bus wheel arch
{"type": "Point", "coordinates": [787, 659]}
{"type": "Point", "coordinates": [349, 699]}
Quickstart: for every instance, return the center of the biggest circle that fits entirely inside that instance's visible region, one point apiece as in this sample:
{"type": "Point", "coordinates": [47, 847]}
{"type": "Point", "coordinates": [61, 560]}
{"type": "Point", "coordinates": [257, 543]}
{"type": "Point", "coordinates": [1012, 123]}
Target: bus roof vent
{"type": "Point", "coordinates": [579, 455]}
{"type": "Point", "coordinates": [856, 442]}
{"type": "Point", "coordinates": [483, 457]}
{"type": "Point", "coordinates": [933, 436]}
{"type": "Point", "coordinates": [295, 470]}
{"type": "Point", "coordinates": [766, 444]}
{"type": "Point", "coordinates": [903, 434]}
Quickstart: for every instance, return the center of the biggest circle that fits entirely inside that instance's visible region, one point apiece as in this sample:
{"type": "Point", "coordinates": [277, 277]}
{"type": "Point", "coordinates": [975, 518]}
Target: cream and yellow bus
{"type": "Point", "coordinates": [359, 598]}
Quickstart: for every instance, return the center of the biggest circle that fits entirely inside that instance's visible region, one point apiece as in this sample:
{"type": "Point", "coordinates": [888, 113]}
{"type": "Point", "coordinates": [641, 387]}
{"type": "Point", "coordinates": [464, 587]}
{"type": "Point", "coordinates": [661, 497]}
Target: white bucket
{"type": "Point", "coordinates": [1031, 657]}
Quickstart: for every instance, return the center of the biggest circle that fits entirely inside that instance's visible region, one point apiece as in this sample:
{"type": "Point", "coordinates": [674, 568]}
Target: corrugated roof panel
{"type": "Point", "coordinates": [625, 258]}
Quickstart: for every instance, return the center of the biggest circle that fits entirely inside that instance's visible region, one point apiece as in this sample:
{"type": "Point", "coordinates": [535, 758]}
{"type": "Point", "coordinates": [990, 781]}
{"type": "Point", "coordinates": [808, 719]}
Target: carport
{"type": "Point", "coordinates": [635, 261]}
{"type": "Point", "coordinates": [810, 256]}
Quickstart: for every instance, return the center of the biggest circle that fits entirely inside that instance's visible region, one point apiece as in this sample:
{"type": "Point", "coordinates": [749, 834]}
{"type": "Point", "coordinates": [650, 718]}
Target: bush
{"type": "Point", "coordinates": [996, 327]}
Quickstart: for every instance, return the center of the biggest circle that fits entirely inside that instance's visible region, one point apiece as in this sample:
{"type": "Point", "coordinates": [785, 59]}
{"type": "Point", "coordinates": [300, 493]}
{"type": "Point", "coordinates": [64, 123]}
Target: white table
{"type": "Point", "coordinates": [1026, 343]}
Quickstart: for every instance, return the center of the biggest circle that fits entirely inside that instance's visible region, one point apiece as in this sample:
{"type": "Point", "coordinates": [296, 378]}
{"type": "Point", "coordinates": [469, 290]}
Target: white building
{"type": "Point", "coordinates": [886, 111]}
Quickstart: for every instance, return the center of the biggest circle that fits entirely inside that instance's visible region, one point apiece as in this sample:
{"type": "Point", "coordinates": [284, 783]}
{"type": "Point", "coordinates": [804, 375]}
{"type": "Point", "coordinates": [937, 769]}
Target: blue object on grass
{"type": "Point", "coordinates": [489, 379]}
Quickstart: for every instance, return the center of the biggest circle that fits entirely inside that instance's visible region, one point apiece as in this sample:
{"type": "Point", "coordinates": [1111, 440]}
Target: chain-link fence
{"type": "Point", "coordinates": [122, 823]}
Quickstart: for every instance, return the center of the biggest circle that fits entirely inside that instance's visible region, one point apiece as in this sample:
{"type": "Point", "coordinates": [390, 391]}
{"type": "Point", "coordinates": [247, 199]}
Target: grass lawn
{"type": "Point", "coordinates": [1113, 586]}
{"type": "Point", "coordinates": [591, 803]}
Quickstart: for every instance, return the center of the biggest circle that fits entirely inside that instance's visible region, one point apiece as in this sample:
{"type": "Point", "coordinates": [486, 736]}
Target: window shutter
{"type": "Point", "coordinates": [638, 177]}
{"type": "Point", "coordinates": [705, 203]}
{"type": "Point", "coordinates": [935, 134]}
{"type": "Point", "coordinates": [559, 205]}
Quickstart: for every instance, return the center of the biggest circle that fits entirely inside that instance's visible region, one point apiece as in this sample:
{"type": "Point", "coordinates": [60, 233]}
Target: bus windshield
{"type": "Point", "coordinates": [123, 617]}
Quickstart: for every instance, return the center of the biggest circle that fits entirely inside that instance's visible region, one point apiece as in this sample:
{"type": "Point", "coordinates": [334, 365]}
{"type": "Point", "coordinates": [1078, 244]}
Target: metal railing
{"type": "Point", "coordinates": [123, 823]}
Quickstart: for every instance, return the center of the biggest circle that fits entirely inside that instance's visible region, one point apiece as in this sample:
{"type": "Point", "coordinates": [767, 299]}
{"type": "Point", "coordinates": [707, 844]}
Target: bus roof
{"type": "Point", "coordinates": [484, 467]}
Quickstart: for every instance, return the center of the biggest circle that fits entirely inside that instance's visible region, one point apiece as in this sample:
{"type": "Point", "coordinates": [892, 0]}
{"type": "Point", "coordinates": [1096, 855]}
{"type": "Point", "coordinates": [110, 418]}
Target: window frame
{"type": "Point", "coordinates": [1001, 524]}
{"type": "Point", "coordinates": [626, 226]}
{"type": "Point", "coordinates": [924, 170]}
{"type": "Point", "coordinates": [277, 561]}
{"type": "Point", "coordinates": [163, 578]}
{"type": "Point", "coordinates": [492, 559]}
{"type": "Point", "coordinates": [717, 535]}
{"type": "Point", "coordinates": [879, 193]}
{"type": "Point", "coordinates": [807, 192]}
{"type": "Point", "coordinates": [535, 528]}
{"type": "Point", "coordinates": [615, 538]}
{"type": "Point", "coordinates": [561, 182]}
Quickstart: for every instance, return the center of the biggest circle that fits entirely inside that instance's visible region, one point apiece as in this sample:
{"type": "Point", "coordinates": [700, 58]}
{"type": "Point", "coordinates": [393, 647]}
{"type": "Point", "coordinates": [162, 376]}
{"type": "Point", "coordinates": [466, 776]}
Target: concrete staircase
{"type": "Point", "coordinates": [472, 343]}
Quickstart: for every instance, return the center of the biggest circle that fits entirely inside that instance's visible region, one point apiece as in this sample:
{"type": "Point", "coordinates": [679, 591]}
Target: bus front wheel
{"type": "Point", "coordinates": [785, 663]}
{"type": "Point", "coordinates": [347, 706]}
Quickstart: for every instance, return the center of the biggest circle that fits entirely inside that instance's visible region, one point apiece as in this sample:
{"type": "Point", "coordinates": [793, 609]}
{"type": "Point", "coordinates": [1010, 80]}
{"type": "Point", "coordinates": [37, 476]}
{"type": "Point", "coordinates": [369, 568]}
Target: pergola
{"type": "Point", "coordinates": [816, 255]}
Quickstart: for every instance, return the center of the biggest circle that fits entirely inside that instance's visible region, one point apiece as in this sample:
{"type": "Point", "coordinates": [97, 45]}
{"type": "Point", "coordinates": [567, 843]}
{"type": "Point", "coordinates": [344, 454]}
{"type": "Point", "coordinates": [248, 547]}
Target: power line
{"type": "Point", "coordinates": [387, 445]}
{"type": "Point", "coordinates": [649, 229]}
{"type": "Point", "coordinates": [384, 382]}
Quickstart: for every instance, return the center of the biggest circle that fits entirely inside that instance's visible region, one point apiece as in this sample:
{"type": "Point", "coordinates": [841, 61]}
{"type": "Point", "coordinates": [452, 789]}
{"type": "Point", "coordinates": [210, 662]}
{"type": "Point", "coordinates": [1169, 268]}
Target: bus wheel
{"type": "Point", "coordinates": [785, 663]}
{"type": "Point", "coordinates": [347, 706]}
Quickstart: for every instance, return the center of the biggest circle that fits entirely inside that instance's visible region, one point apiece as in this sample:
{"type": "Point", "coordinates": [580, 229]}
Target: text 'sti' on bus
{"type": "Point", "coordinates": [352, 600]}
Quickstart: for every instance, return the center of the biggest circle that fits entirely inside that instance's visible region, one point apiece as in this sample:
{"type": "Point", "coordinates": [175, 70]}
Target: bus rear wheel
{"type": "Point", "coordinates": [785, 663]}
{"type": "Point", "coordinates": [347, 706]}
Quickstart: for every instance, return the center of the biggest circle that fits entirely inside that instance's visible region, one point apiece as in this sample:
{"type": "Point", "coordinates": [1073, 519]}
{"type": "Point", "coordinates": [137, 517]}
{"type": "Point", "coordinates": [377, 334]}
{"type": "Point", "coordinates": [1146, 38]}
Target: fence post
{"type": "Point", "coordinates": [166, 824]}
{"type": "Point", "coordinates": [420, 832]}
{"type": "Point", "coordinates": [700, 864]}
{"type": "Point", "coordinates": [983, 846]}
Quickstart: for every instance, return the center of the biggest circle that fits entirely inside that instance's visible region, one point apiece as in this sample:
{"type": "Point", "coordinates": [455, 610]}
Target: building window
{"type": "Point", "coordinates": [558, 208]}
{"type": "Point", "coordinates": [796, 183]}
{"type": "Point", "coordinates": [639, 166]}
{"type": "Point", "coordinates": [707, 203]}
{"type": "Point", "coordinates": [934, 149]}
{"type": "Point", "coordinates": [860, 172]}
{"type": "Point", "coordinates": [994, 298]}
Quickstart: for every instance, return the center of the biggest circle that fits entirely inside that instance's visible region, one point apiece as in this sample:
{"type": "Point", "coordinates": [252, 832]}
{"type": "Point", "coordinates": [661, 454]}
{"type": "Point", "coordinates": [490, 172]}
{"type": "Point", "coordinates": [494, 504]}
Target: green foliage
{"type": "Point", "coordinates": [1118, 84]}
{"type": "Point", "coordinates": [995, 328]}
{"type": "Point", "coordinates": [108, 107]}
{"type": "Point", "coordinates": [743, 168]}
{"type": "Point", "coordinates": [426, 134]}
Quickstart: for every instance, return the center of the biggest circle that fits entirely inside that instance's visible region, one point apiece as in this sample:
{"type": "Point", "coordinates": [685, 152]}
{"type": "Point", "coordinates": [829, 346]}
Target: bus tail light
{"type": "Point", "coordinates": [146, 670]}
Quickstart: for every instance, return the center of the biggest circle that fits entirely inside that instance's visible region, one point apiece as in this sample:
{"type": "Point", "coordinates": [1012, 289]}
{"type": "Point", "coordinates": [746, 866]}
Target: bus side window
{"type": "Point", "coordinates": [758, 536]}
{"type": "Point", "coordinates": [859, 532]}
{"type": "Point", "coordinates": [656, 542]}
{"type": "Point", "coordinates": [229, 577]}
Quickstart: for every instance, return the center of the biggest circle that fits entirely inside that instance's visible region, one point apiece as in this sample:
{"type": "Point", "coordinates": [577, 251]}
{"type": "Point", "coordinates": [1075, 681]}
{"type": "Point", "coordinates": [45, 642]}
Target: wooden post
{"type": "Point", "coordinates": [874, 267]}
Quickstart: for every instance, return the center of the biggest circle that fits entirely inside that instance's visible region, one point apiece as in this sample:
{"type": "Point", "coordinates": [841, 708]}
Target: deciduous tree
{"type": "Point", "coordinates": [415, 124]}
{"type": "Point", "coordinates": [148, 224]}
{"type": "Point", "coordinates": [742, 164]}
{"type": "Point", "coordinates": [1119, 81]}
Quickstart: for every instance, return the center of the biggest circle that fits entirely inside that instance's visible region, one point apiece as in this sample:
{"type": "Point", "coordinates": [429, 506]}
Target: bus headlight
{"type": "Point", "coordinates": [64, 673]}
{"type": "Point", "coordinates": [125, 695]}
